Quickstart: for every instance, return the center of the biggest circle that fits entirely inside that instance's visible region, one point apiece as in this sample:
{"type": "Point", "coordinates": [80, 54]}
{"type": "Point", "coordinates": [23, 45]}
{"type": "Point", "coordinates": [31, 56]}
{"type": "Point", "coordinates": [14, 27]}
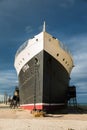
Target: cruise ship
{"type": "Point", "coordinates": [43, 66]}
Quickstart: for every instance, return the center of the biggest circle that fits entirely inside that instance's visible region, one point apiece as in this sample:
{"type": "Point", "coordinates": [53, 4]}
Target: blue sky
{"type": "Point", "coordinates": [22, 19]}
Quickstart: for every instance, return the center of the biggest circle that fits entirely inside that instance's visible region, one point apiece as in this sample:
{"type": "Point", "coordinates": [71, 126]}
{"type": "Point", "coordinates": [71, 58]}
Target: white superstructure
{"type": "Point", "coordinates": [43, 41]}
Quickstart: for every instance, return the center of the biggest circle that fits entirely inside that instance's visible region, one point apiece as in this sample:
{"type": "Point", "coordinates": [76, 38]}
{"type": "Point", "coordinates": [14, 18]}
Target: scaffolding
{"type": "Point", "coordinates": [72, 100]}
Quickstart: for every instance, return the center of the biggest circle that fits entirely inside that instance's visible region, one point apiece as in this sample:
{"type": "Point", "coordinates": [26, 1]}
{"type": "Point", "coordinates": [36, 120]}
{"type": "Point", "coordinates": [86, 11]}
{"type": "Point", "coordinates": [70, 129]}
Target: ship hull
{"type": "Point", "coordinates": [43, 83]}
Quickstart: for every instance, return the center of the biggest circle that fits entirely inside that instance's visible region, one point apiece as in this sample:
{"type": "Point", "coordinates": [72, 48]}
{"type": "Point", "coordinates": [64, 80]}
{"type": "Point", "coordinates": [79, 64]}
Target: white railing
{"type": "Point", "coordinates": [21, 48]}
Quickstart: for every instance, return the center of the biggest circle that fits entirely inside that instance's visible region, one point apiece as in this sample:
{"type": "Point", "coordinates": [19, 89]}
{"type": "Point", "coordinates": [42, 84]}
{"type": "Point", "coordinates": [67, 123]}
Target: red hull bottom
{"type": "Point", "coordinates": [44, 107]}
{"type": "Point", "coordinates": [31, 107]}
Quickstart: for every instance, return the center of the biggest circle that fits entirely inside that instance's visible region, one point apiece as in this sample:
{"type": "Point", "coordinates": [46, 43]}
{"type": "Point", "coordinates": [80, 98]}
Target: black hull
{"type": "Point", "coordinates": [44, 82]}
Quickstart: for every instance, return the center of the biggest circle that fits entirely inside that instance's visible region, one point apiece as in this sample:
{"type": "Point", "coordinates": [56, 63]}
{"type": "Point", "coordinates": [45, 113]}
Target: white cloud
{"type": "Point", "coordinates": [78, 45]}
{"type": "Point", "coordinates": [28, 29]}
{"type": "Point", "coordinates": [8, 81]}
{"type": "Point", "coordinates": [79, 72]}
{"type": "Point", "coordinates": [7, 76]}
{"type": "Point", "coordinates": [66, 3]}
{"type": "Point", "coordinates": [1, 97]}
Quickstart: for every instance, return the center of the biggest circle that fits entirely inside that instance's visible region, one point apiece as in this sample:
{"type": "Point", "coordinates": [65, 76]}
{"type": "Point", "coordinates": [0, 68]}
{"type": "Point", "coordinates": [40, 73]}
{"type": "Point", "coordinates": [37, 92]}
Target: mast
{"type": "Point", "coordinates": [44, 27]}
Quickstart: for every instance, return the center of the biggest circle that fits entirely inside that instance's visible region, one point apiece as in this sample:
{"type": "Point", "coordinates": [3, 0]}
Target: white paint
{"type": "Point", "coordinates": [46, 104]}
{"type": "Point", "coordinates": [32, 49]}
{"type": "Point", "coordinates": [43, 41]}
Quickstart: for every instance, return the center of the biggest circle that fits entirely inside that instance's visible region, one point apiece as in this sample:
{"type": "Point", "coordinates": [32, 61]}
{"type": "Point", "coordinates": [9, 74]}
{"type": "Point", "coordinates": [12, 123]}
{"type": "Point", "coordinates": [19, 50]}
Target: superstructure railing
{"type": "Point", "coordinates": [21, 48]}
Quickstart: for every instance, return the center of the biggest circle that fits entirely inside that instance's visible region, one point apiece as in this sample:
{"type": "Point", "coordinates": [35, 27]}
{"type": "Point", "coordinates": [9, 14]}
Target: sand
{"type": "Point", "coordinates": [19, 119]}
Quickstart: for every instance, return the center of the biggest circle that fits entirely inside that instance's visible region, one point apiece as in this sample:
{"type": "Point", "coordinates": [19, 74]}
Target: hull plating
{"type": "Point", "coordinates": [45, 83]}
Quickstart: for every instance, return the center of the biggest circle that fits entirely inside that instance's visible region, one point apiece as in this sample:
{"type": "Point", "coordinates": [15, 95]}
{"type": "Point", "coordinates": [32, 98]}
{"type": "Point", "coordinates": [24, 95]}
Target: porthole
{"type": "Point", "coordinates": [63, 59]}
{"type": "Point", "coordinates": [57, 54]}
{"type": "Point", "coordinates": [36, 39]}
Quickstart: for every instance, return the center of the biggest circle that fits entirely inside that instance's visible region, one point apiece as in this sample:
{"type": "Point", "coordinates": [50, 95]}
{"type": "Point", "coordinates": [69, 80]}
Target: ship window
{"type": "Point", "coordinates": [57, 54]}
{"type": "Point", "coordinates": [36, 39]}
{"type": "Point", "coordinates": [63, 59]}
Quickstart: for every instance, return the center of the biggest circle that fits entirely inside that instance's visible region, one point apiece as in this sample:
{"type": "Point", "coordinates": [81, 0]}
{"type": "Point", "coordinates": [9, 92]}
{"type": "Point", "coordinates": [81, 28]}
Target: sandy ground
{"type": "Point", "coordinates": [19, 119]}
